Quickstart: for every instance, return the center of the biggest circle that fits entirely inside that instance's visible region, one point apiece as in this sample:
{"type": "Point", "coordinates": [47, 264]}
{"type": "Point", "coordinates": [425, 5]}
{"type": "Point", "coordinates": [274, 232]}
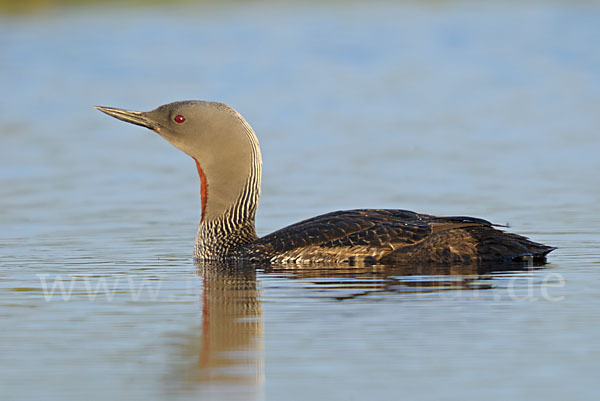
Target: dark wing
{"type": "Point", "coordinates": [368, 233]}
{"type": "Point", "coordinates": [392, 236]}
{"type": "Point", "coordinates": [348, 228]}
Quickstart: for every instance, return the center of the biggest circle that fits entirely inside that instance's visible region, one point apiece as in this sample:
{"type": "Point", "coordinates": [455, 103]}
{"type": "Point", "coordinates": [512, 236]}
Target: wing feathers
{"type": "Point", "coordinates": [393, 236]}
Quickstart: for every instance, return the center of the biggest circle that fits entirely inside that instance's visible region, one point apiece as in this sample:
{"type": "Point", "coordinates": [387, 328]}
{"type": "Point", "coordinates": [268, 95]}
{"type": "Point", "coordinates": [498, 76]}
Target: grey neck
{"type": "Point", "coordinates": [227, 226]}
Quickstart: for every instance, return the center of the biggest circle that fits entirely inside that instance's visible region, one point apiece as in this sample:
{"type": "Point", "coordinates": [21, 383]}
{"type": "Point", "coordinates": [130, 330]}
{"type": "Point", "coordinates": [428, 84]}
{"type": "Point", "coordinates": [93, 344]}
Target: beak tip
{"type": "Point", "coordinates": [129, 116]}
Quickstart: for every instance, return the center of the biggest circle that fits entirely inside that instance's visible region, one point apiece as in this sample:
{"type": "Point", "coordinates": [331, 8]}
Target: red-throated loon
{"type": "Point", "coordinates": [228, 160]}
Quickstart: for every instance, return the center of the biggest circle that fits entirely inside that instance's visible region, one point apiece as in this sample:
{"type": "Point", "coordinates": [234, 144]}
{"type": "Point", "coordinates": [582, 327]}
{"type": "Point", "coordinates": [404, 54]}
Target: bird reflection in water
{"type": "Point", "coordinates": [227, 353]}
{"type": "Point", "coordinates": [357, 282]}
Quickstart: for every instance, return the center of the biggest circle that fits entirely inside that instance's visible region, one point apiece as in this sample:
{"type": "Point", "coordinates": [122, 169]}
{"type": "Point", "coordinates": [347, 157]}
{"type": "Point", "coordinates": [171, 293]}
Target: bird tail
{"type": "Point", "coordinates": [509, 247]}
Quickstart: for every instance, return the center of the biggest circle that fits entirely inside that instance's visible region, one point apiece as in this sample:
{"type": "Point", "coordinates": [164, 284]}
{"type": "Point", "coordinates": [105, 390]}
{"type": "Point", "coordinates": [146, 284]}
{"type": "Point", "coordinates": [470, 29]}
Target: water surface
{"type": "Point", "coordinates": [452, 108]}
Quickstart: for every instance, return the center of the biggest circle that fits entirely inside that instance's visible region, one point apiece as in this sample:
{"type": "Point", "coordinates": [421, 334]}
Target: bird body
{"type": "Point", "coordinates": [228, 159]}
{"type": "Point", "coordinates": [391, 236]}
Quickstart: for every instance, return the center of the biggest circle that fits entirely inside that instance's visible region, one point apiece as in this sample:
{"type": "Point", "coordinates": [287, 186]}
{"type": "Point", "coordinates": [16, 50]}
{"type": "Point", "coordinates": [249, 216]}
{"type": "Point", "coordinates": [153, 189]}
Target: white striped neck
{"type": "Point", "coordinates": [219, 237]}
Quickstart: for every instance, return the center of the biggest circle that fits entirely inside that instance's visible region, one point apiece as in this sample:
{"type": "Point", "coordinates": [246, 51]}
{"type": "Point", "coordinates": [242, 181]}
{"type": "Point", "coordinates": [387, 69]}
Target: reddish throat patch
{"type": "Point", "coordinates": [203, 187]}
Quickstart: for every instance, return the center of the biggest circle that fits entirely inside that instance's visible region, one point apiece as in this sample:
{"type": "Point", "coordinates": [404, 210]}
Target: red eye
{"type": "Point", "coordinates": [179, 118]}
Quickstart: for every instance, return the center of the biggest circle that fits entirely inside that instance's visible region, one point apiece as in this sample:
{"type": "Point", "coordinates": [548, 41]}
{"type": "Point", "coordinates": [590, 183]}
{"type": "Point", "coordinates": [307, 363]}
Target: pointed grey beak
{"type": "Point", "coordinates": [129, 116]}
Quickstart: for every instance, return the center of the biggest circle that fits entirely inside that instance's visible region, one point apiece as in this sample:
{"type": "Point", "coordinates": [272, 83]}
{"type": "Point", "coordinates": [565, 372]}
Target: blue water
{"type": "Point", "coordinates": [449, 108]}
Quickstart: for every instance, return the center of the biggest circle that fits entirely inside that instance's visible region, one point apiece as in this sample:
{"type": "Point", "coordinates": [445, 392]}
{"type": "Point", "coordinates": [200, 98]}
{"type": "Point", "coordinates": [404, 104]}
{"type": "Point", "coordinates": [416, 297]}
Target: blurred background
{"type": "Point", "coordinates": [488, 109]}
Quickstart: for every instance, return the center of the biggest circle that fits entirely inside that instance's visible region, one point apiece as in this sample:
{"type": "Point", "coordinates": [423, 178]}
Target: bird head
{"type": "Point", "coordinates": [192, 126]}
{"type": "Point", "coordinates": [215, 135]}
